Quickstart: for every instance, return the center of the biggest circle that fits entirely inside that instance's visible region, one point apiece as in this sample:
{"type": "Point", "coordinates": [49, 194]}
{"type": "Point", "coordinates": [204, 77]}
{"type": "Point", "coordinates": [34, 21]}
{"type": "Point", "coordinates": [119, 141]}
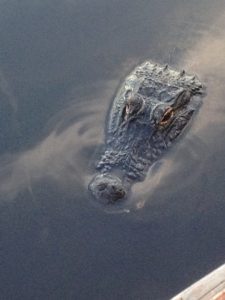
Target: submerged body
{"type": "Point", "coordinates": [149, 112]}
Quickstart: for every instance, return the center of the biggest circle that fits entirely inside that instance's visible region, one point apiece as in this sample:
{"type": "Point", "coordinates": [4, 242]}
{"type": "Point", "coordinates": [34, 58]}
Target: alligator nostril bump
{"type": "Point", "coordinates": [120, 193]}
{"type": "Point", "coordinates": [107, 188]}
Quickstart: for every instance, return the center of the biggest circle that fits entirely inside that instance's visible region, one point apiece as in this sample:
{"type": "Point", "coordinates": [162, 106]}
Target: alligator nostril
{"type": "Point", "coordinates": [120, 193]}
{"type": "Point", "coordinates": [102, 186]}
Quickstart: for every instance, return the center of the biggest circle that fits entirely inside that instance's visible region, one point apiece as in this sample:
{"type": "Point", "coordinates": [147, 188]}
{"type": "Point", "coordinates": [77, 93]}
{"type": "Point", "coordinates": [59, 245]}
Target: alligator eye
{"type": "Point", "coordinates": [127, 109]}
{"type": "Point", "coordinates": [169, 113]}
{"type": "Point", "coordinates": [132, 107]}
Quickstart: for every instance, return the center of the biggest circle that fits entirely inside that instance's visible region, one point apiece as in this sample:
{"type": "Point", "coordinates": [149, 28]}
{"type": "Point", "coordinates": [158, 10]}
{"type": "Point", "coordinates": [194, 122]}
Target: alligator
{"type": "Point", "coordinates": [151, 109]}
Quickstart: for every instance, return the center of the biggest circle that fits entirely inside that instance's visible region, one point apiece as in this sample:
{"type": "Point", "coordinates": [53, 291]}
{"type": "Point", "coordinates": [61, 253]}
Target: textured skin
{"type": "Point", "coordinates": [149, 112]}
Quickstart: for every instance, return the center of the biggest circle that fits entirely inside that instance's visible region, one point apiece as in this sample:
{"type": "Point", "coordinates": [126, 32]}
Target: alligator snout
{"type": "Point", "coordinates": [107, 188]}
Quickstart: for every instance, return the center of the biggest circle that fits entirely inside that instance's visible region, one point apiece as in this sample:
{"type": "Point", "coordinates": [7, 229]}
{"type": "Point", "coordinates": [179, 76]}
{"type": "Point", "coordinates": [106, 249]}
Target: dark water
{"type": "Point", "coordinates": [60, 65]}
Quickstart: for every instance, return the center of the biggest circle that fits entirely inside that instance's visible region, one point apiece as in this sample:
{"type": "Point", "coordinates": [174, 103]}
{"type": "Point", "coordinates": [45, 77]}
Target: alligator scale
{"type": "Point", "coordinates": [149, 112]}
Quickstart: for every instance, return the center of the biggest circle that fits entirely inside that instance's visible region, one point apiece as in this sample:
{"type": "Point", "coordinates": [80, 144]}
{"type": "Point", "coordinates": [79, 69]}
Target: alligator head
{"type": "Point", "coordinates": [149, 112]}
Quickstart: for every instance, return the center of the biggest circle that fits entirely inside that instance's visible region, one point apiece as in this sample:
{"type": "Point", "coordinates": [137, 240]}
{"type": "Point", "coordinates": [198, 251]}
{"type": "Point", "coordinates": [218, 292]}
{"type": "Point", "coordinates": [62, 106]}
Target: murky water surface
{"type": "Point", "coordinates": [61, 63]}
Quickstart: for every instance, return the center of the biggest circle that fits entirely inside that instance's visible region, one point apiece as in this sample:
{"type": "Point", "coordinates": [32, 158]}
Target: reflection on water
{"type": "Point", "coordinates": [61, 63]}
{"type": "Point", "coordinates": [60, 155]}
